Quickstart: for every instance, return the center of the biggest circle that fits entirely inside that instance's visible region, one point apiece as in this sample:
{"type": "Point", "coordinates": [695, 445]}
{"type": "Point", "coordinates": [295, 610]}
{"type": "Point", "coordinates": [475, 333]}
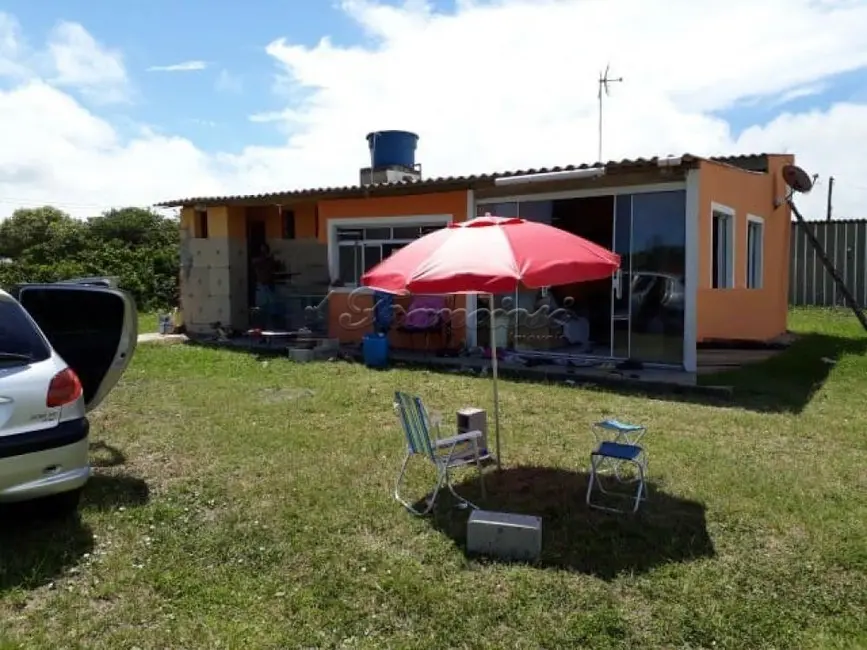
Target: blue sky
{"type": "Point", "coordinates": [212, 106]}
{"type": "Point", "coordinates": [848, 86]}
{"type": "Point", "coordinates": [229, 36]}
{"type": "Point", "coordinates": [488, 84]}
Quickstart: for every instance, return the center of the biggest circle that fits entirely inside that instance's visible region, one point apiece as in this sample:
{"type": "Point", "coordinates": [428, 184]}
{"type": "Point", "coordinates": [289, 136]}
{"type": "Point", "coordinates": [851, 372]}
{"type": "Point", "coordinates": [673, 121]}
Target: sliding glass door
{"type": "Point", "coordinates": [636, 315]}
{"type": "Point", "coordinates": [648, 293]}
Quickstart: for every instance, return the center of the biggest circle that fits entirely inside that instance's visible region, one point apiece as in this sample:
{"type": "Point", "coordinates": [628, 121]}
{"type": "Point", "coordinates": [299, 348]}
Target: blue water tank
{"type": "Point", "coordinates": [390, 148]}
{"type": "Point", "coordinates": [374, 350]}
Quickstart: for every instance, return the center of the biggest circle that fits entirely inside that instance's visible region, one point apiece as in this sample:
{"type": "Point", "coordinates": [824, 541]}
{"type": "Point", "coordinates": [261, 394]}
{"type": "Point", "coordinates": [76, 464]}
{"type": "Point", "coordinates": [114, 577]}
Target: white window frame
{"type": "Point", "coordinates": [729, 213]}
{"type": "Point", "coordinates": [334, 225]}
{"type": "Point", "coordinates": [760, 272]}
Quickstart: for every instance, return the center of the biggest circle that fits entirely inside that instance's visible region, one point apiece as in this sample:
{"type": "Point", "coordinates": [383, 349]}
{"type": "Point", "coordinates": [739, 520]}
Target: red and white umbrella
{"type": "Point", "coordinates": [491, 255]}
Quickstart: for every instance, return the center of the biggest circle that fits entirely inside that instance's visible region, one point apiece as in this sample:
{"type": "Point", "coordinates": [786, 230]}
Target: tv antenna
{"type": "Point", "coordinates": [604, 81]}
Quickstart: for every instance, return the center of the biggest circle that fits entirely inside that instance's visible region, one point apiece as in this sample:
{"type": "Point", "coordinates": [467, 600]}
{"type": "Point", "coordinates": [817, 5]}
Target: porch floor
{"type": "Point", "coordinates": [549, 369]}
{"type": "Point", "coordinates": [573, 372]}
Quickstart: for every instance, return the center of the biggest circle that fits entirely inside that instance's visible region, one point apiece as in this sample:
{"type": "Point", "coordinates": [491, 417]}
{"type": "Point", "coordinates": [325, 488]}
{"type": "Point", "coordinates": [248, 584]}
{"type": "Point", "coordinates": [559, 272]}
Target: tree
{"type": "Point", "coordinates": [27, 228]}
{"type": "Point", "coordinates": [138, 246]}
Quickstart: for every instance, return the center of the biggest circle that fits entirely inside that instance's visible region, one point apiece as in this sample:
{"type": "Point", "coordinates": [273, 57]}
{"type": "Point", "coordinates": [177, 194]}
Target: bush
{"type": "Point", "coordinates": [140, 247]}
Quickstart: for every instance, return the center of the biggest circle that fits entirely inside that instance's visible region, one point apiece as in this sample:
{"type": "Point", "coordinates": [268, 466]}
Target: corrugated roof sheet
{"type": "Point", "coordinates": [751, 162]}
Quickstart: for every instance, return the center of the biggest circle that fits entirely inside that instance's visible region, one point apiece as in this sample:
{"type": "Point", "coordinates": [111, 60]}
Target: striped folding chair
{"type": "Point", "coordinates": [445, 453]}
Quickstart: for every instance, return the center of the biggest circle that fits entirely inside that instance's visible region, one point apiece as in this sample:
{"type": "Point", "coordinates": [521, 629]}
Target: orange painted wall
{"type": "Point", "coordinates": [305, 219]}
{"type": "Point", "coordinates": [741, 313]}
{"type": "Point", "coordinates": [350, 314]}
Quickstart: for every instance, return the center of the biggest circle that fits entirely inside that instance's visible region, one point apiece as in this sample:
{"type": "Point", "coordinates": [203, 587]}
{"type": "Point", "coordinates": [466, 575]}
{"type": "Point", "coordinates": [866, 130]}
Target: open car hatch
{"type": "Point", "coordinates": [94, 328]}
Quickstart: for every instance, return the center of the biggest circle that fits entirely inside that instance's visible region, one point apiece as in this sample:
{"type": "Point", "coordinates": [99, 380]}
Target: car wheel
{"type": "Point", "coordinates": [61, 505]}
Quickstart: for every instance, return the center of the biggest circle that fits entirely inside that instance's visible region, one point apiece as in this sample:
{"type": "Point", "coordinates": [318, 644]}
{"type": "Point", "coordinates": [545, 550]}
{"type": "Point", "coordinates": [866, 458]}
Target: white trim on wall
{"type": "Point", "coordinates": [372, 222]}
{"type": "Point", "coordinates": [691, 275]}
{"type": "Point", "coordinates": [472, 300]}
{"type": "Point", "coordinates": [751, 218]}
{"type": "Point", "coordinates": [586, 193]}
{"type": "Point", "coordinates": [726, 210]}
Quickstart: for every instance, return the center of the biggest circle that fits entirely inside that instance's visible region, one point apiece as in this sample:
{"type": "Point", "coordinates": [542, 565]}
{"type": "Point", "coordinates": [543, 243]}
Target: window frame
{"type": "Point", "coordinates": [753, 220]}
{"type": "Point", "coordinates": [335, 226]}
{"type": "Point", "coordinates": [730, 215]}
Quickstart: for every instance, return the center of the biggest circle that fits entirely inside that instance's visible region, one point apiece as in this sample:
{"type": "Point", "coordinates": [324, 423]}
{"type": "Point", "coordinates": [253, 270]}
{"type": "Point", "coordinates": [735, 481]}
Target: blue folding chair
{"type": "Point", "coordinates": [613, 455]}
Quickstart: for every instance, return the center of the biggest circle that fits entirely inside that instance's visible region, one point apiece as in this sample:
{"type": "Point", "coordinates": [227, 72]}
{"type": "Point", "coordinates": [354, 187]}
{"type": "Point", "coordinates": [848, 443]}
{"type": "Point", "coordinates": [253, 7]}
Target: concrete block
{"type": "Point", "coordinates": [504, 535]}
{"type": "Point", "coordinates": [220, 281]}
{"type": "Point", "coordinates": [237, 253]}
{"type": "Point", "coordinates": [199, 282]}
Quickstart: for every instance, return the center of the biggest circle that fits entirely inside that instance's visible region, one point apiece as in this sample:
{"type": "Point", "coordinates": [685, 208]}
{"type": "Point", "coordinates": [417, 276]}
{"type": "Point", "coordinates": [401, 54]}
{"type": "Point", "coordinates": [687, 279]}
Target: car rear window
{"type": "Point", "coordinates": [18, 335]}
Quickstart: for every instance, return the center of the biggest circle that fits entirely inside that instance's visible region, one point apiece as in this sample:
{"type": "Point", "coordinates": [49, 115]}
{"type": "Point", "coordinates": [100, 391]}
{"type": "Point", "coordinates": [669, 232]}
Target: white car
{"type": "Point", "coordinates": [63, 347]}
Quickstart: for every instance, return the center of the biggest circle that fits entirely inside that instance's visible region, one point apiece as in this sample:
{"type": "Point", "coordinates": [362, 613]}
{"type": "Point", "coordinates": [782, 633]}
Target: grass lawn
{"type": "Point", "coordinates": [241, 503]}
{"type": "Point", "coordinates": [148, 322]}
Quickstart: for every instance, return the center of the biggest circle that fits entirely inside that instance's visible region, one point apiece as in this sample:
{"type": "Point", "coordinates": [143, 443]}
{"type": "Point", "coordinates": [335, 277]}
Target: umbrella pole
{"type": "Point", "coordinates": [492, 325]}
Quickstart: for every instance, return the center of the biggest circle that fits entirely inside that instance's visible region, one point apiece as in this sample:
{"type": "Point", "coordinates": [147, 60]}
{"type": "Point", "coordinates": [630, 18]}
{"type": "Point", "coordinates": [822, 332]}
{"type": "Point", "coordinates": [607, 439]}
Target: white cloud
{"type": "Point", "coordinates": [228, 82]}
{"type": "Point", "coordinates": [80, 62]}
{"type": "Point", "coordinates": [184, 66]}
{"type": "Point", "coordinates": [490, 86]}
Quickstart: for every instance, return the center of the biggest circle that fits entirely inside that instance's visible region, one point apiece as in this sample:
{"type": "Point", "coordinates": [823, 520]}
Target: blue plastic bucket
{"type": "Point", "coordinates": [374, 350]}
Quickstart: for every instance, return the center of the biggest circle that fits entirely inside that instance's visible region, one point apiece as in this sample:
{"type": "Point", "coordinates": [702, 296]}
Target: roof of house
{"type": "Point", "coordinates": [749, 162]}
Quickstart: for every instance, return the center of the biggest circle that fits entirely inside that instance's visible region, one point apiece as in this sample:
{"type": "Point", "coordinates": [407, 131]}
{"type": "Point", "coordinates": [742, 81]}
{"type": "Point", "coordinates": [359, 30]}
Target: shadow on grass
{"type": "Point", "coordinates": [103, 454]}
{"type": "Point", "coordinates": [784, 383]}
{"type": "Point", "coordinates": [577, 538]}
{"type": "Point", "coordinates": [788, 381]}
{"type": "Point", "coordinates": [39, 544]}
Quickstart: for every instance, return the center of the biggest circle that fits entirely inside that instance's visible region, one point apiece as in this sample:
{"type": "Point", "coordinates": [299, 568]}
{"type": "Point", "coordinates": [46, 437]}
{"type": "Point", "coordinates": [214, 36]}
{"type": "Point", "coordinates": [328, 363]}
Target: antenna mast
{"type": "Point", "coordinates": [604, 81]}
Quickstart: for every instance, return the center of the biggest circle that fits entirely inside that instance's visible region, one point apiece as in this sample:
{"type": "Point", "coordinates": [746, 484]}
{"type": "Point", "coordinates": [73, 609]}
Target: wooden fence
{"type": "Point", "coordinates": [845, 242]}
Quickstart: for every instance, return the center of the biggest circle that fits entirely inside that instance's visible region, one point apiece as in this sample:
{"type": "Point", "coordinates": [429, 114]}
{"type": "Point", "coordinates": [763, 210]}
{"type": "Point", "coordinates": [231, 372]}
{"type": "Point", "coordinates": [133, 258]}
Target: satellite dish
{"type": "Point", "coordinates": [797, 179]}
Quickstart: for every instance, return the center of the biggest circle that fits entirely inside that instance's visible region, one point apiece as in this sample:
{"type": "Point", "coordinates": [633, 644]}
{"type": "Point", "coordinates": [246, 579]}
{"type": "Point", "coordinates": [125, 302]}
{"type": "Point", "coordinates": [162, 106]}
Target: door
{"type": "Point", "coordinates": [621, 298]}
{"type": "Point", "coordinates": [256, 237]}
{"type": "Point", "coordinates": [93, 328]}
{"type": "Point", "coordinates": [658, 268]}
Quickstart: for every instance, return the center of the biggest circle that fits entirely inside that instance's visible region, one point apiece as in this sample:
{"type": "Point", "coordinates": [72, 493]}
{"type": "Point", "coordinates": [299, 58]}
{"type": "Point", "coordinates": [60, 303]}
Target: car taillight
{"type": "Point", "coordinates": [64, 389]}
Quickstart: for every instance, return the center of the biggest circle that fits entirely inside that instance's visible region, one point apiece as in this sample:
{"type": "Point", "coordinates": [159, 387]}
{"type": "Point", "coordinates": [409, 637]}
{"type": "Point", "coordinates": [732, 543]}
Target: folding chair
{"type": "Point", "coordinates": [619, 453]}
{"type": "Point", "coordinates": [616, 431]}
{"type": "Point", "coordinates": [442, 452]}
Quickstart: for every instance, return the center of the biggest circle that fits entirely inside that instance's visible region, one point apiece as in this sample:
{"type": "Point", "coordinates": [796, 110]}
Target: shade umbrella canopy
{"type": "Point", "coordinates": [491, 255]}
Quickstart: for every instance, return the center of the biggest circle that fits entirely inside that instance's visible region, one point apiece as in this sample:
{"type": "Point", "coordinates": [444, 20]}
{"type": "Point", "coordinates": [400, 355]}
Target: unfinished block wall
{"type": "Point", "coordinates": [213, 283]}
{"type": "Point", "coordinates": [214, 266]}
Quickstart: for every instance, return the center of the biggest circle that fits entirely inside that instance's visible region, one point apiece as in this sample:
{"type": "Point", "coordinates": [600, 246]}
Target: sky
{"type": "Point", "coordinates": [103, 106]}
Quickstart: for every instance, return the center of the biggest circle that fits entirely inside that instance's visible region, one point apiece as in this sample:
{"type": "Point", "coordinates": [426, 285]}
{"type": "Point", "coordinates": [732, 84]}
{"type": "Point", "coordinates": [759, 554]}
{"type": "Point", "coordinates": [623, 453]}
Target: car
{"type": "Point", "coordinates": [63, 348]}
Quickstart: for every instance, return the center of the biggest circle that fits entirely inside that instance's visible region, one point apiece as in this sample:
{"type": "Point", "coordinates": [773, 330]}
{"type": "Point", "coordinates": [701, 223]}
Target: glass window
{"type": "Point", "coordinates": [406, 232]}
{"type": "Point", "coordinates": [509, 209]}
{"type": "Point", "coordinates": [18, 336]}
{"type": "Point", "coordinates": [360, 249]}
{"type": "Point", "coordinates": [539, 211]}
{"type": "Point", "coordinates": [372, 256]}
{"type": "Point", "coordinates": [348, 264]}
{"type": "Point", "coordinates": [350, 234]}
{"type": "Point", "coordinates": [723, 250]}
{"type": "Point", "coordinates": [755, 246]}
{"type": "Point", "coordinates": [388, 249]}
{"type": "Point", "coordinates": [377, 233]}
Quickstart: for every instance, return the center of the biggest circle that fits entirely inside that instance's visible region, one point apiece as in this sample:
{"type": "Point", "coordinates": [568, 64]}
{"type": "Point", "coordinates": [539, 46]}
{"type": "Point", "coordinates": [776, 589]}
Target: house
{"type": "Point", "coordinates": [704, 244]}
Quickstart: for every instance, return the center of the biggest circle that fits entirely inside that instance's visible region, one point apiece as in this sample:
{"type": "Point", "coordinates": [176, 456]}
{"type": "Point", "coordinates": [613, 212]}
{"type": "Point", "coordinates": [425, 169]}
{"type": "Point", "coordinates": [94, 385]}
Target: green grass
{"type": "Point", "coordinates": [248, 503]}
{"type": "Point", "coordinates": [148, 322]}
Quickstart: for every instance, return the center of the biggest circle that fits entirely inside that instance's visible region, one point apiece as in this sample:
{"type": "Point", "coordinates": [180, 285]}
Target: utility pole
{"type": "Point", "coordinates": [830, 194]}
{"type": "Point", "coordinates": [604, 80]}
